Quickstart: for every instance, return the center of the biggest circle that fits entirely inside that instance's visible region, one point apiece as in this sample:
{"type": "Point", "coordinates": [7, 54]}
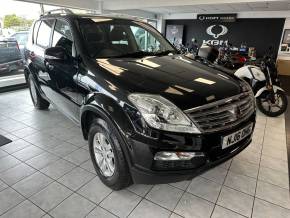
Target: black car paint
{"type": "Point", "coordinates": [82, 86]}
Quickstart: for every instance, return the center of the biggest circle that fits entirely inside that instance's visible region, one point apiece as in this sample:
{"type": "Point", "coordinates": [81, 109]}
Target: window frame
{"type": "Point", "coordinates": [74, 50]}
{"type": "Point", "coordinates": [50, 37]}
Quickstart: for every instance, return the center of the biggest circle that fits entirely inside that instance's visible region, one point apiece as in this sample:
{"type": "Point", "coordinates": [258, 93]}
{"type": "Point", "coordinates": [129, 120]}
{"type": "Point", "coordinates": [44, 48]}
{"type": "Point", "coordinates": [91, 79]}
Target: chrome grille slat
{"type": "Point", "coordinates": [224, 113]}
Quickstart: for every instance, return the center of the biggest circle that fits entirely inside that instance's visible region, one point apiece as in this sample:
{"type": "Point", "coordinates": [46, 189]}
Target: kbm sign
{"type": "Point", "coordinates": [217, 17]}
{"type": "Point", "coordinates": [215, 31]}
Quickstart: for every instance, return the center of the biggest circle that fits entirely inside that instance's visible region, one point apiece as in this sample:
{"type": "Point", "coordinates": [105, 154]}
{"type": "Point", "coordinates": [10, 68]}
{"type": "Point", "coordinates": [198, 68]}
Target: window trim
{"type": "Point", "coordinates": [52, 28]}
{"type": "Point", "coordinates": [74, 50]}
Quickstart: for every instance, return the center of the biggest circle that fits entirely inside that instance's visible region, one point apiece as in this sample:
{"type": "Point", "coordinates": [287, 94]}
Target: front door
{"type": "Point", "coordinates": [63, 74]}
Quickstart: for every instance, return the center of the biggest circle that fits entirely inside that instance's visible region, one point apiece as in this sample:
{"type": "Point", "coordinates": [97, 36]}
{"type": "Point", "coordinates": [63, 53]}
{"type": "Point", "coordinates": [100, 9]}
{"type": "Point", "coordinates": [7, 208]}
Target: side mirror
{"type": "Point", "coordinates": [55, 53]}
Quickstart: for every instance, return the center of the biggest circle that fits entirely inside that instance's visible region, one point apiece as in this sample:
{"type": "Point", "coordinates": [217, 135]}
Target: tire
{"type": "Point", "coordinates": [121, 177]}
{"type": "Point", "coordinates": [38, 101]}
{"type": "Point", "coordinates": [270, 113]}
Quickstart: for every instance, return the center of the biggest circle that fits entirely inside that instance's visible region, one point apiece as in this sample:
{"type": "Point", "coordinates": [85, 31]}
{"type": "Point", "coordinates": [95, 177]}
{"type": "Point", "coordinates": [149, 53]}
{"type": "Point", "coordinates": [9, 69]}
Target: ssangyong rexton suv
{"type": "Point", "coordinates": [149, 114]}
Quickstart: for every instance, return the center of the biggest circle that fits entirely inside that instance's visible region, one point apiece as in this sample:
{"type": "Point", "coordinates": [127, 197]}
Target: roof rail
{"type": "Point", "coordinates": [59, 11]}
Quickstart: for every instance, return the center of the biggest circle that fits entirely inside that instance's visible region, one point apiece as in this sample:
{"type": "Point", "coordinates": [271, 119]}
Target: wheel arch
{"type": "Point", "coordinates": [104, 107]}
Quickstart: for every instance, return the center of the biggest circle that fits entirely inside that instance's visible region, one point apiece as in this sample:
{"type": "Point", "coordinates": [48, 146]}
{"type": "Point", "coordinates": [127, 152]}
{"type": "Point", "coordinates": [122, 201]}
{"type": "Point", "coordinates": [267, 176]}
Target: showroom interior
{"type": "Point", "coordinates": [156, 108]}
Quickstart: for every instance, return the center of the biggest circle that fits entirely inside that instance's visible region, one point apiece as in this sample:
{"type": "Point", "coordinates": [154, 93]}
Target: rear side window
{"type": "Point", "coordinates": [44, 31]}
{"type": "Point", "coordinates": [35, 30]}
{"type": "Point", "coordinates": [62, 36]}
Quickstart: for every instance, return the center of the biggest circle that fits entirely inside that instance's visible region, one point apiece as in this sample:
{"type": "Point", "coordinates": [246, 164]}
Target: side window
{"type": "Point", "coordinates": [145, 40]}
{"type": "Point", "coordinates": [62, 36]}
{"type": "Point", "coordinates": [44, 31]}
{"type": "Point", "coordinates": [35, 30]}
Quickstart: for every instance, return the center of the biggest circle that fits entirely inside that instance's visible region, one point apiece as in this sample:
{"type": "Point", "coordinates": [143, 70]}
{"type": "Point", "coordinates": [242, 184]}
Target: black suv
{"type": "Point", "coordinates": [150, 115]}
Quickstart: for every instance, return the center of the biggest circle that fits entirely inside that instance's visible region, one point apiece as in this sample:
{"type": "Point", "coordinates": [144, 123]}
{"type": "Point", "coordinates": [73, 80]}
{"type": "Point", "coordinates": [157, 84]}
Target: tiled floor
{"type": "Point", "coordinates": [46, 171]}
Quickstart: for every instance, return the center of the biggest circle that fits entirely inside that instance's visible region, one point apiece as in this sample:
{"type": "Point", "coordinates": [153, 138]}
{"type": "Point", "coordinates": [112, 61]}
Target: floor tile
{"type": "Point", "coordinates": [99, 212]}
{"type": "Point", "coordinates": [181, 185]}
{"type": "Point", "coordinates": [274, 153]}
{"type": "Point", "coordinates": [57, 169]}
{"type": "Point", "coordinates": [3, 186]}
{"type": "Point", "coordinates": [262, 207]}
{"type": "Point", "coordinates": [140, 189]}
{"type": "Point", "coordinates": [244, 168]}
{"type": "Point", "coordinates": [42, 160]}
{"type": "Point", "coordinates": [248, 156]}
{"type": "Point", "coordinates": [220, 212]}
{"type": "Point", "coordinates": [216, 174]}
{"type": "Point", "coordinates": [147, 209]}
{"type": "Point", "coordinates": [24, 132]}
{"type": "Point", "coordinates": [63, 149]}
{"type": "Point", "coordinates": [273, 194]}
{"type": "Point", "coordinates": [275, 164]}
{"type": "Point", "coordinates": [78, 141]}
{"type": "Point", "coordinates": [95, 190]}
{"type": "Point", "coordinates": [88, 165]}
{"type": "Point", "coordinates": [9, 198]}
{"type": "Point", "coordinates": [236, 201]}
{"type": "Point", "coordinates": [3, 153]}
{"type": "Point", "coordinates": [73, 207]}
{"type": "Point", "coordinates": [241, 183]}
{"type": "Point", "coordinates": [32, 184]}
{"type": "Point", "coordinates": [274, 177]}
{"type": "Point", "coordinates": [174, 215]}
{"type": "Point", "coordinates": [24, 210]}
{"type": "Point", "coordinates": [205, 189]}
{"type": "Point", "coordinates": [8, 162]}
{"type": "Point", "coordinates": [226, 165]}
{"type": "Point", "coordinates": [27, 153]}
{"type": "Point", "coordinates": [165, 195]}
{"type": "Point", "coordinates": [76, 178]}
{"type": "Point", "coordinates": [51, 196]}
{"type": "Point", "coordinates": [121, 202]}
{"type": "Point", "coordinates": [78, 156]}
{"type": "Point", "coordinates": [191, 206]}
{"type": "Point", "coordinates": [15, 146]}
{"type": "Point", "coordinates": [15, 174]}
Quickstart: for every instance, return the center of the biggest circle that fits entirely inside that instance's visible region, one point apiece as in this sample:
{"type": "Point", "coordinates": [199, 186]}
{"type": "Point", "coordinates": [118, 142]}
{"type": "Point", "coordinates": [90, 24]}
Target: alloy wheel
{"type": "Point", "coordinates": [104, 154]}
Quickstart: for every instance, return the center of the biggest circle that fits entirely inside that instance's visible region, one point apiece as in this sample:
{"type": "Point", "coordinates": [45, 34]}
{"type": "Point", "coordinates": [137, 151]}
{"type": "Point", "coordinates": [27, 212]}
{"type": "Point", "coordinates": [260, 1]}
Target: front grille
{"type": "Point", "coordinates": [223, 114]}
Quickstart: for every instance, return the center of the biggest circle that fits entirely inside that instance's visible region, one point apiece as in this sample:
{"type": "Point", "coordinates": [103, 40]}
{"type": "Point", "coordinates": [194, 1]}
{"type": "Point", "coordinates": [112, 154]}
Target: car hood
{"type": "Point", "coordinates": [183, 81]}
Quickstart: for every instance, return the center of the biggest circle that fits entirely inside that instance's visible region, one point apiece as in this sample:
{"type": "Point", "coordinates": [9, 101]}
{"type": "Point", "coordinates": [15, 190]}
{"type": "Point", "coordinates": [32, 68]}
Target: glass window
{"type": "Point", "coordinates": [62, 36]}
{"type": "Point", "coordinates": [44, 31]}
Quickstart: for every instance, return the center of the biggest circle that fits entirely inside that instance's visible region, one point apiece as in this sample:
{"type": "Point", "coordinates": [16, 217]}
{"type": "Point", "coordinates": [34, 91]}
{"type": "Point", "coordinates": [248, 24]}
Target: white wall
{"type": "Point", "coordinates": [249, 14]}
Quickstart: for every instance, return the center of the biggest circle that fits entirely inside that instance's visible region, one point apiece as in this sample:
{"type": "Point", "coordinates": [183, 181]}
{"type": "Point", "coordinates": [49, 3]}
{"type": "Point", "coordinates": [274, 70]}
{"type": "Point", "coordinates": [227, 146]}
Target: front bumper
{"type": "Point", "coordinates": [145, 170]}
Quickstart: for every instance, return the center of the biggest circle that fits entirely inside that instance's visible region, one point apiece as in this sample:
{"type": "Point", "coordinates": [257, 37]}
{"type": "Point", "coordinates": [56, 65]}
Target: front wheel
{"type": "Point", "coordinates": [107, 155]}
{"type": "Point", "coordinates": [270, 108]}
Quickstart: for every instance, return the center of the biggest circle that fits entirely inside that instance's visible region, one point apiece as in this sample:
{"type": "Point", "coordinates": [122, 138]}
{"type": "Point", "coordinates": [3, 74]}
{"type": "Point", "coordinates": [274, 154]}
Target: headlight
{"type": "Point", "coordinates": [159, 113]}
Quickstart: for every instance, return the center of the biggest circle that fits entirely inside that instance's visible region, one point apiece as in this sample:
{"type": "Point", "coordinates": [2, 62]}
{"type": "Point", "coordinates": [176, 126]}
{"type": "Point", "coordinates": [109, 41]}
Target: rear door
{"type": "Point", "coordinates": [41, 40]}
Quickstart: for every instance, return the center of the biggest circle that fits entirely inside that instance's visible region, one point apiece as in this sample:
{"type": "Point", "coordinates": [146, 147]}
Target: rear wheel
{"type": "Point", "coordinates": [270, 108]}
{"type": "Point", "coordinates": [107, 155]}
{"type": "Point", "coordinates": [36, 98]}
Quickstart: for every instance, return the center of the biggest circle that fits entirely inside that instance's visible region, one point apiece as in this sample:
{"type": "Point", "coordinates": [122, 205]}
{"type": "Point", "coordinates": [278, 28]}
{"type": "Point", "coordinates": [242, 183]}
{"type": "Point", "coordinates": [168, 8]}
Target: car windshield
{"type": "Point", "coordinates": [108, 38]}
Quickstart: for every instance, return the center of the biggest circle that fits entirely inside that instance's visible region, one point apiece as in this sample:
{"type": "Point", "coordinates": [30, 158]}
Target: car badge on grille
{"type": "Point", "coordinates": [235, 111]}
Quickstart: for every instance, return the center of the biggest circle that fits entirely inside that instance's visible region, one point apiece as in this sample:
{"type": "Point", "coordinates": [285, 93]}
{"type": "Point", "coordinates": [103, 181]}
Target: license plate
{"type": "Point", "coordinates": [235, 137]}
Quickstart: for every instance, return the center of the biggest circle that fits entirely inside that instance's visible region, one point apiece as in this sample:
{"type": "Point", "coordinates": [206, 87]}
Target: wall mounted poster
{"type": "Point", "coordinates": [174, 33]}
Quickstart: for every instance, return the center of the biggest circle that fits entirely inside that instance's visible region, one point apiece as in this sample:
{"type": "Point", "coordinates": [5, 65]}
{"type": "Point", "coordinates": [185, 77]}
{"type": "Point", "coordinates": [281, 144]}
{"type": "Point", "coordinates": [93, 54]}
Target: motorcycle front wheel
{"type": "Point", "coordinates": [267, 107]}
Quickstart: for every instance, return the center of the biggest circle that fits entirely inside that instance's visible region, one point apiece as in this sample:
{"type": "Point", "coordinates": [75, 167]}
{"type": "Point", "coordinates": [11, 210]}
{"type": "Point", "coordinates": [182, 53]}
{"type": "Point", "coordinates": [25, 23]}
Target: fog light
{"type": "Point", "coordinates": [174, 155]}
